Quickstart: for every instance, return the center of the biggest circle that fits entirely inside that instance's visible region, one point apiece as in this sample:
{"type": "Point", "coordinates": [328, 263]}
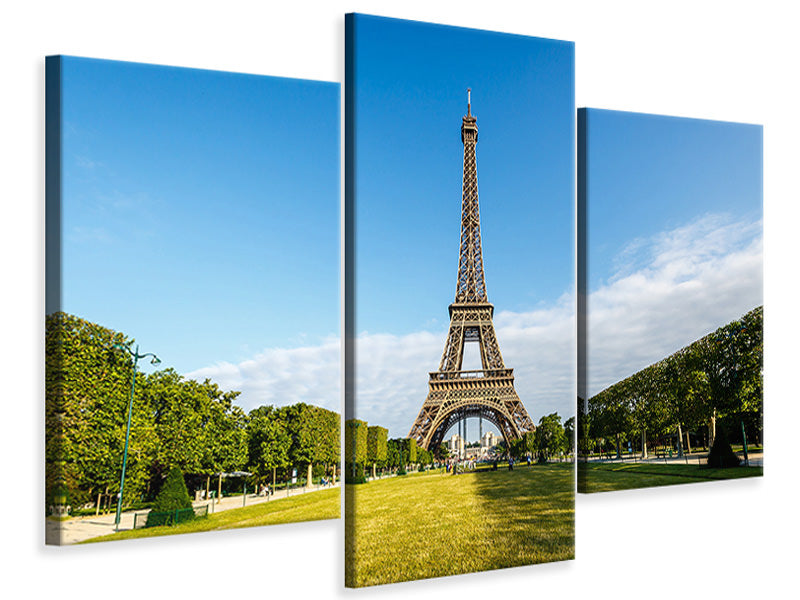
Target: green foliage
{"type": "Point", "coordinates": [87, 391]}
{"type": "Point", "coordinates": [409, 450]}
{"type": "Point", "coordinates": [173, 494]}
{"type": "Point", "coordinates": [717, 376]}
{"type": "Point", "coordinates": [549, 436]}
{"type": "Point", "coordinates": [394, 454]}
{"type": "Point", "coordinates": [268, 441]}
{"type": "Point", "coordinates": [355, 441]}
{"type": "Point", "coordinates": [175, 422]}
{"type": "Point", "coordinates": [355, 448]}
{"type": "Point", "coordinates": [721, 454]}
{"type": "Point", "coordinates": [376, 444]}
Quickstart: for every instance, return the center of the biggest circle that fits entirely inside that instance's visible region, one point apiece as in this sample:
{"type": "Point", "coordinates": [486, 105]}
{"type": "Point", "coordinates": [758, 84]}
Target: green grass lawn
{"type": "Point", "coordinates": [620, 476]}
{"type": "Point", "coordinates": [432, 525]}
{"type": "Point", "coordinates": [306, 507]}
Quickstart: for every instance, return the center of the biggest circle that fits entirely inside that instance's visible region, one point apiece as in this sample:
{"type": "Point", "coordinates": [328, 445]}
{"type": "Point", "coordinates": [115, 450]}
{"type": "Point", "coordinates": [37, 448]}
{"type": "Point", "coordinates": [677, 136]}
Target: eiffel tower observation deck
{"type": "Point", "coordinates": [488, 393]}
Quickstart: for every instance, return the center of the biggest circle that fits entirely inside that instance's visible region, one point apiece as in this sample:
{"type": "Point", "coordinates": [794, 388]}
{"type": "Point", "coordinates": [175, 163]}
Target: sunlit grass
{"type": "Point", "coordinates": [619, 476]}
{"type": "Point", "coordinates": [432, 525]}
{"type": "Point", "coordinates": [314, 506]}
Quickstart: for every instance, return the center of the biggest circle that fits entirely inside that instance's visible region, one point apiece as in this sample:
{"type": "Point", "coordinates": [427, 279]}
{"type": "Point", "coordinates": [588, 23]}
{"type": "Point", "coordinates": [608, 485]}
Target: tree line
{"type": "Point", "coordinates": [175, 422]}
{"type": "Point", "coordinates": [714, 382]}
{"type": "Point", "coordinates": [368, 449]}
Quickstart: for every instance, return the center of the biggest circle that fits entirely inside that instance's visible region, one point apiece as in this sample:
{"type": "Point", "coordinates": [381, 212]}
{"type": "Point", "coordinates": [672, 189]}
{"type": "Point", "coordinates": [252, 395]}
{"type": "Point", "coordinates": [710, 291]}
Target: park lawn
{"type": "Point", "coordinates": [619, 476]}
{"type": "Point", "coordinates": [315, 506]}
{"type": "Point", "coordinates": [433, 524]}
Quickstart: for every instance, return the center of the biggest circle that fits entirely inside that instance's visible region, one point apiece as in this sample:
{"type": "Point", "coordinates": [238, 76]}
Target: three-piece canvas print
{"type": "Point", "coordinates": [193, 351]}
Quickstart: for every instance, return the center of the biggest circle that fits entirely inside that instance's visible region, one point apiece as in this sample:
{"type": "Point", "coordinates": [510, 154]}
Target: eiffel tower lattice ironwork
{"type": "Point", "coordinates": [454, 394]}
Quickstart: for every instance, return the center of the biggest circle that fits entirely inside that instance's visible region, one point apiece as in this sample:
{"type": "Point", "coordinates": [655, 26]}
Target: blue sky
{"type": "Point", "coordinates": [411, 83]}
{"type": "Point", "coordinates": [674, 219]}
{"type": "Point", "coordinates": [201, 211]}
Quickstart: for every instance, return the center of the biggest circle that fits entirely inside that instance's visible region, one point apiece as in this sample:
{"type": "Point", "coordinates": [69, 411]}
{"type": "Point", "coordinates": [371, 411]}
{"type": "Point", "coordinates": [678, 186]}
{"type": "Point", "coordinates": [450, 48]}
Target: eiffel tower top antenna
{"type": "Point", "coordinates": [471, 285]}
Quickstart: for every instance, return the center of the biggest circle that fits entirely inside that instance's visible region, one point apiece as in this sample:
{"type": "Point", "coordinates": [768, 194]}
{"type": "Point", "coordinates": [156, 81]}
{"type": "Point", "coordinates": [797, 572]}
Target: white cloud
{"type": "Point", "coordinates": [671, 290]}
{"type": "Point", "coordinates": [392, 371]}
{"type": "Point", "coordinates": [282, 376]}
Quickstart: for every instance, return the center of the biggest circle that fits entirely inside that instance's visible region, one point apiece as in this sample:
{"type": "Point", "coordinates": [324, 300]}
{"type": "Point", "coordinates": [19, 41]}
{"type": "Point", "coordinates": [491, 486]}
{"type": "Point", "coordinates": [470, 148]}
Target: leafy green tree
{"type": "Point", "coordinates": [550, 438]}
{"type": "Point", "coordinates": [376, 446]}
{"type": "Point", "coordinates": [409, 451]}
{"type": "Point", "coordinates": [268, 442]}
{"type": "Point", "coordinates": [394, 454]}
{"type": "Point", "coordinates": [172, 497]}
{"type": "Point", "coordinates": [569, 434]}
{"type": "Point", "coordinates": [87, 391]}
{"type": "Point", "coordinates": [355, 448]}
{"type": "Point", "coordinates": [314, 432]}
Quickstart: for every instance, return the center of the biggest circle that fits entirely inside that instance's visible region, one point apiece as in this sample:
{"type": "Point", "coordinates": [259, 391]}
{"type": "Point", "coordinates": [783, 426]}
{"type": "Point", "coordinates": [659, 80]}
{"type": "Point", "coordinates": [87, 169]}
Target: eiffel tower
{"type": "Point", "coordinates": [454, 394]}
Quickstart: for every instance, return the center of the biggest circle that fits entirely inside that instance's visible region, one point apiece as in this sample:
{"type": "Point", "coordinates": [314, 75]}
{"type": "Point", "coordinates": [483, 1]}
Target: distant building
{"type": "Point", "coordinates": [488, 441]}
{"type": "Point", "coordinates": [456, 444]}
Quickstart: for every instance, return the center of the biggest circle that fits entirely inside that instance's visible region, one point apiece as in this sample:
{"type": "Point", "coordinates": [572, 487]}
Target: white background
{"type": "Point", "coordinates": [722, 60]}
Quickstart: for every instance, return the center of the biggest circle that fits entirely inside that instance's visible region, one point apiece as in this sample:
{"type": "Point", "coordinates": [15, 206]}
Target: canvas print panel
{"type": "Point", "coordinates": [670, 281]}
{"type": "Point", "coordinates": [460, 329]}
{"type": "Point", "coordinates": [192, 352]}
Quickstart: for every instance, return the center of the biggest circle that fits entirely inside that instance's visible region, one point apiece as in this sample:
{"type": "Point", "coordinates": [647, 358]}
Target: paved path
{"type": "Point", "coordinates": [83, 528]}
{"type": "Point", "coordinates": [755, 459]}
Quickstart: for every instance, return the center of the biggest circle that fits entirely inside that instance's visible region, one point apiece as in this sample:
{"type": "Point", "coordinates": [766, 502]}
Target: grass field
{"type": "Point", "coordinates": [432, 525]}
{"type": "Point", "coordinates": [619, 476]}
{"type": "Point", "coordinates": [319, 505]}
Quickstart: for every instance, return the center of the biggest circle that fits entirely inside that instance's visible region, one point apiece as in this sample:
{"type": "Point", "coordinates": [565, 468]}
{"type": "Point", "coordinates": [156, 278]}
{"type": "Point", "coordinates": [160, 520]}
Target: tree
{"type": "Point", "coordinates": [549, 436]}
{"type": "Point", "coordinates": [376, 446]}
{"type": "Point", "coordinates": [355, 448]}
{"type": "Point", "coordinates": [325, 436]}
{"type": "Point", "coordinates": [409, 451]}
{"type": "Point", "coordinates": [268, 442]}
{"type": "Point", "coordinates": [172, 497]}
{"type": "Point", "coordinates": [394, 454]}
{"type": "Point", "coordinates": [87, 391]}
{"type": "Point", "coordinates": [569, 434]}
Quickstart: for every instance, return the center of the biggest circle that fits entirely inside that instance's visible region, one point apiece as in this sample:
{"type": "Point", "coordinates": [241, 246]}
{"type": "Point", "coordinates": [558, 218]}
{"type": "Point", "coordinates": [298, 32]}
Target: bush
{"type": "Point", "coordinates": [173, 494]}
{"type": "Point", "coordinates": [721, 453]}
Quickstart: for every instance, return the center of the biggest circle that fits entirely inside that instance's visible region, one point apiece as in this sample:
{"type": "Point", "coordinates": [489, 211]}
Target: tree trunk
{"type": "Point", "coordinates": [219, 489]}
{"type": "Point", "coordinates": [618, 450]}
{"type": "Point", "coordinates": [688, 443]}
{"type": "Point", "coordinates": [644, 445]}
{"type": "Point", "coordinates": [373, 469]}
{"type": "Point", "coordinates": [680, 441]}
{"type": "Point", "coordinates": [208, 486]}
{"type": "Point", "coordinates": [712, 428]}
{"type": "Point", "coordinates": [308, 476]}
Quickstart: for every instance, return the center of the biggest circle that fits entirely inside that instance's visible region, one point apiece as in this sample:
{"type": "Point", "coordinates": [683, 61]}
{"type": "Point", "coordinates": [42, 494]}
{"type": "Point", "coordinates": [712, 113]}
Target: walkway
{"type": "Point", "coordinates": [755, 459]}
{"type": "Point", "coordinates": [84, 528]}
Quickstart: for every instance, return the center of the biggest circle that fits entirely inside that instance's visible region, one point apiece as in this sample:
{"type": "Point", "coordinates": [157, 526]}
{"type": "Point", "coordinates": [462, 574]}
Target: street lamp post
{"type": "Point", "coordinates": [135, 356]}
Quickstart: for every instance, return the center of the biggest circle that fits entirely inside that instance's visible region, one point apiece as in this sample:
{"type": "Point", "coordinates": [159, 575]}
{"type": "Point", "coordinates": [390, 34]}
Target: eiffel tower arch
{"type": "Point", "coordinates": [488, 392]}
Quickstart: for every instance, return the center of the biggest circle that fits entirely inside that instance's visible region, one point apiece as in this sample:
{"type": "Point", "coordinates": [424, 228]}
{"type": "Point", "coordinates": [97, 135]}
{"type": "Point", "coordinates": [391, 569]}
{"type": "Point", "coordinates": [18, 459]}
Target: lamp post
{"type": "Point", "coordinates": [135, 356]}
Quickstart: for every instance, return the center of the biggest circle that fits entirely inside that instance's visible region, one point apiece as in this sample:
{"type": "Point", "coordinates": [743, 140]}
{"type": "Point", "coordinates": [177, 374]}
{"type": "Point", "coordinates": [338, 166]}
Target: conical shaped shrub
{"type": "Point", "coordinates": [721, 453]}
{"type": "Point", "coordinates": [173, 495]}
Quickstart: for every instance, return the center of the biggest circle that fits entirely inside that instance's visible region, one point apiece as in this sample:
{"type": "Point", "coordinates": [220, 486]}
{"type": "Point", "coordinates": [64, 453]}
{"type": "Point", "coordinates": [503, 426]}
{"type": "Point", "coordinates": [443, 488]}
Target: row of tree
{"type": "Point", "coordinates": [549, 440]}
{"type": "Point", "coordinates": [717, 381]}
{"type": "Point", "coordinates": [368, 447]}
{"type": "Point", "coordinates": [175, 422]}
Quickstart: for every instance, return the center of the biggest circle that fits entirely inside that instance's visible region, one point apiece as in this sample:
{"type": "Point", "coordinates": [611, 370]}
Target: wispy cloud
{"type": "Point", "coordinates": [686, 282]}
{"type": "Point", "coordinates": [670, 290]}
{"type": "Point", "coordinates": [282, 376]}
